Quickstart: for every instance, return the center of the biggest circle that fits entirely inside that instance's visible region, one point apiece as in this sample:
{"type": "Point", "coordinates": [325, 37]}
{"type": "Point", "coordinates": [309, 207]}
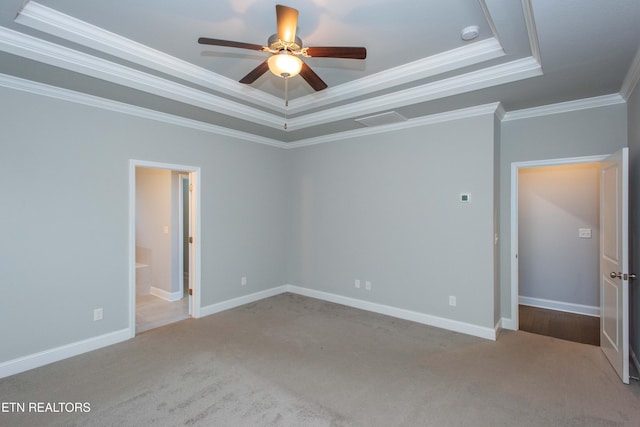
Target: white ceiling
{"type": "Point", "coordinates": [144, 53]}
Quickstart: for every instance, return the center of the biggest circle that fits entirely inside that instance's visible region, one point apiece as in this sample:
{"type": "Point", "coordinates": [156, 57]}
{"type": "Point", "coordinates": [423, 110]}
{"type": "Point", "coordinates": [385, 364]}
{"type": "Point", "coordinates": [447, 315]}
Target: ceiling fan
{"type": "Point", "coordinates": [286, 48]}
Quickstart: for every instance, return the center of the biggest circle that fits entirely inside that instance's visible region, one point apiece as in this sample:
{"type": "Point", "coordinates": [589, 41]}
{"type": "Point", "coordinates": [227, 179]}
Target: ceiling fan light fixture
{"type": "Point", "coordinates": [285, 64]}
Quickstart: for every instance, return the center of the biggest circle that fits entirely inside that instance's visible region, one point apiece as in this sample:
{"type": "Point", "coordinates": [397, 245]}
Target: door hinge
{"type": "Point", "coordinates": [190, 291]}
{"type": "Point", "coordinates": [190, 239]}
{"type": "Point", "coordinates": [190, 187]}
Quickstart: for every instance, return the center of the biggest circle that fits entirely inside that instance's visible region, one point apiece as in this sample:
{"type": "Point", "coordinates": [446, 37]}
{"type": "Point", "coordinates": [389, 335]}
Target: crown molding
{"type": "Point", "coordinates": [532, 31]}
{"type": "Point", "coordinates": [16, 83]}
{"type": "Point", "coordinates": [50, 21]}
{"type": "Point", "coordinates": [632, 78]}
{"type": "Point", "coordinates": [500, 112]}
{"type": "Point", "coordinates": [40, 50]}
{"type": "Point", "coordinates": [411, 123]}
{"type": "Point", "coordinates": [565, 107]}
{"type": "Point", "coordinates": [492, 76]}
{"type": "Point", "coordinates": [434, 65]}
{"type": "Point", "coordinates": [49, 53]}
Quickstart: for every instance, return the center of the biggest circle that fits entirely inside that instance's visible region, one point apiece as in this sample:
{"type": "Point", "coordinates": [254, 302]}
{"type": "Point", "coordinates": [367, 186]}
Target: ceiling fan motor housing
{"type": "Point", "coordinates": [275, 44]}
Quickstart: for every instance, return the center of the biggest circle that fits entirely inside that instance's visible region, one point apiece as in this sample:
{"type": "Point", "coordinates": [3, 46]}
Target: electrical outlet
{"type": "Point", "coordinates": [243, 281]}
{"type": "Point", "coordinates": [452, 300]}
{"type": "Point", "coordinates": [97, 314]}
{"type": "Point", "coordinates": [357, 284]}
{"type": "Point", "coordinates": [584, 233]}
{"type": "Point", "coordinates": [367, 285]}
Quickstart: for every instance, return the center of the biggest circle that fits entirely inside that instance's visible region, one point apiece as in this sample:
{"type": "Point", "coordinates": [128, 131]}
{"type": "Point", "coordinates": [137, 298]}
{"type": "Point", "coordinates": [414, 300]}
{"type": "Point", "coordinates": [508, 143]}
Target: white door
{"type": "Point", "coordinates": [192, 258]}
{"type": "Point", "coordinates": [614, 262]}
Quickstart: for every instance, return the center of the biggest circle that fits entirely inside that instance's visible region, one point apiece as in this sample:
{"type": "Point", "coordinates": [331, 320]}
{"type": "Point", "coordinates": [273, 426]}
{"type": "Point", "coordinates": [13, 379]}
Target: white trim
{"type": "Point", "coordinates": [50, 21]}
{"type": "Point", "coordinates": [20, 84]}
{"type": "Point", "coordinates": [42, 358]}
{"type": "Point", "coordinates": [49, 53]}
{"type": "Point", "coordinates": [166, 295]}
{"type": "Point", "coordinates": [489, 333]}
{"type": "Point", "coordinates": [46, 357]}
{"type": "Point", "coordinates": [567, 307]}
{"type": "Point", "coordinates": [513, 322]}
{"type": "Point", "coordinates": [414, 316]}
{"type": "Point", "coordinates": [497, 328]}
{"type": "Point", "coordinates": [532, 31]}
{"type": "Point", "coordinates": [491, 76]}
{"type": "Point", "coordinates": [194, 172]}
{"type": "Point", "coordinates": [489, 19]}
{"type": "Point", "coordinates": [565, 107]}
{"type": "Point", "coordinates": [632, 78]}
{"type": "Point", "coordinates": [407, 124]}
{"type": "Point", "coordinates": [242, 300]}
{"type": "Point", "coordinates": [181, 273]}
{"type": "Point", "coordinates": [434, 65]}
{"type": "Point", "coordinates": [42, 89]}
{"type": "Point", "coordinates": [508, 323]}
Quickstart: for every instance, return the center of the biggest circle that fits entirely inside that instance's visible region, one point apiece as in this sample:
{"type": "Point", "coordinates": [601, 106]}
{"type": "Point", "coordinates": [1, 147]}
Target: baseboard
{"type": "Point", "coordinates": [509, 323]}
{"type": "Point", "coordinates": [560, 306]}
{"type": "Point", "coordinates": [245, 299]}
{"type": "Point", "coordinates": [167, 296]}
{"type": "Point", "coordinates": [414, 316]}
{"type": "Point", "coordinates": [497, 328]}
{"type": "Point", "coordinates": [46, 357]}
{"type": "Point", "coordinates": [36, 360]}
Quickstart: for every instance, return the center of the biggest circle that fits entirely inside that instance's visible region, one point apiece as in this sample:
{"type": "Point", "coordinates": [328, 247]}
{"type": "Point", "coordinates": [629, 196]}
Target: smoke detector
{"type": "Point", "coordinates": [470, 32]}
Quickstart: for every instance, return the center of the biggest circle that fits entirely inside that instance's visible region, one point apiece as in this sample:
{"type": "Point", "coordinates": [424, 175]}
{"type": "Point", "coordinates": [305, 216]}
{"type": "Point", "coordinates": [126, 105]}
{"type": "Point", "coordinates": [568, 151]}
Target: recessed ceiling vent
{"type": "Point", "coordinates": [387, 118]}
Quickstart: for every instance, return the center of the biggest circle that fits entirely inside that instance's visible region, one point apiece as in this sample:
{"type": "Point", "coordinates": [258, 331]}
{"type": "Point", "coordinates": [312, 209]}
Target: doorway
{"type": "Point", "coordinates": [557, 293]}
{"type": "Point", "coordinates": [164, 244]}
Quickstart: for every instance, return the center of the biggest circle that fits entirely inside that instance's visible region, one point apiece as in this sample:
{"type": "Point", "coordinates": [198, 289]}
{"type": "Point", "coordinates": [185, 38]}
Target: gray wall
{"type": "Point", "coordinates": [555, 264]}
{"type": "Point", "coordinates": [153, 213]}
{"type": "Point", "coordinates": [385, 208]}
{"type": "Point", "coordinates": [634, 217]}
{"type": "Point", "coordinates": [588, 132]}
{"type": "Point", "coordinates": [64, 173]}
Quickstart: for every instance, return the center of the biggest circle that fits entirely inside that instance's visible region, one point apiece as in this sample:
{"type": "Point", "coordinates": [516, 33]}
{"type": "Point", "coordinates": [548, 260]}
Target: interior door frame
{"type": "Point", "coordinates": [195, 260]}
{"type": "Point", "coordinates": [514, 322]}
{"type": "Point", "coordinates": [181, 235]}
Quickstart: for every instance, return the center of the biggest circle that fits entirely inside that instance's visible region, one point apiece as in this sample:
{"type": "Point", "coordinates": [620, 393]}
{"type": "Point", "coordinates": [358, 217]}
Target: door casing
{"type": "Point", "coordinates": [194, 259]}
{"type": "Point", "coordinates": [513, 323]}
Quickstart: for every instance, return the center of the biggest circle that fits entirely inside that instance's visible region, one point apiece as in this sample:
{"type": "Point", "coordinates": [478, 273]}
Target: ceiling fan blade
{"type": "Point", "coordinates": [255, 73]}
{"type": "Point", "coordinates": [228, 43]}
{"type": "Point", "coordinates": [312, 78]}
{"type": "Point", "coordinates": [337, 52]}
{"type": "Point", "coordinates": [287, 19]}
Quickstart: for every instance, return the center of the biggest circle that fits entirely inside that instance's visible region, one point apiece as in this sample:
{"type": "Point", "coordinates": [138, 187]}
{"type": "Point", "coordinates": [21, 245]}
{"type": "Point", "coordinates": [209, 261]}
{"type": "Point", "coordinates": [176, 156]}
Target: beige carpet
{"type": "Point", "coordinates": [296, 361]}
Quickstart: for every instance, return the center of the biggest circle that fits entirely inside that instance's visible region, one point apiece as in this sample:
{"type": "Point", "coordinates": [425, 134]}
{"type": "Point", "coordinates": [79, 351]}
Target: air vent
{"type": "Point", "coordinates": [382, 119]}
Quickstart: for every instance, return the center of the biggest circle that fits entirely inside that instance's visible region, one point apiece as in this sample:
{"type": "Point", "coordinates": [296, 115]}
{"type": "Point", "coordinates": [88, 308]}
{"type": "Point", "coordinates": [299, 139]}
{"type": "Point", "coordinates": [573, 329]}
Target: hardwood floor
{"type": "Point", "coordinates": [559, 324]}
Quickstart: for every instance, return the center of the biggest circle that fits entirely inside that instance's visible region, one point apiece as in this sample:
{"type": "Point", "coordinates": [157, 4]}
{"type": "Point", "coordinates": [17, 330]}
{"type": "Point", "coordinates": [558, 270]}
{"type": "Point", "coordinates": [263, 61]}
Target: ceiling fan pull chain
{"type": "Point", "coordinates": [286, 98]}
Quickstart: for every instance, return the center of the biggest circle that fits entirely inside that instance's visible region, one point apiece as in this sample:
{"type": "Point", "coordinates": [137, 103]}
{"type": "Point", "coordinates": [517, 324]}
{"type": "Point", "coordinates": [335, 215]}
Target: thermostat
{"type": "Point", "coordinates": [465, 197]}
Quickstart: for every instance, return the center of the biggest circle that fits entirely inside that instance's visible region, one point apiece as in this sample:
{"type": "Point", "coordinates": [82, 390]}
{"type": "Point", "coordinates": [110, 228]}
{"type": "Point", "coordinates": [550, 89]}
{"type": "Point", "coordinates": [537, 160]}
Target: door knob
{"type": "Point", "coordinates": [613, 275]}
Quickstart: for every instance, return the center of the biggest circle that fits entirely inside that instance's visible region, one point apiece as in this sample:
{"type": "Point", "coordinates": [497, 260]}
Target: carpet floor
{"type": "Point", "coordinates": [296, 361]}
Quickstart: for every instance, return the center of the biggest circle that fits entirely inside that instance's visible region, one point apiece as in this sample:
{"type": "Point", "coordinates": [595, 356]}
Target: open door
{"type": "Point", "coordinates": [614, 261]}
{"type": "Point", "coordinates": [190, 251]}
